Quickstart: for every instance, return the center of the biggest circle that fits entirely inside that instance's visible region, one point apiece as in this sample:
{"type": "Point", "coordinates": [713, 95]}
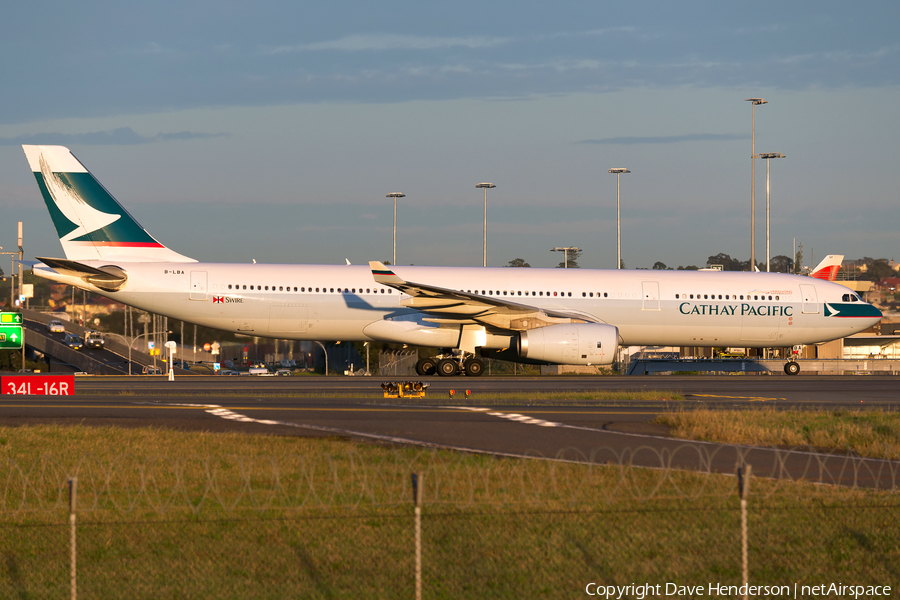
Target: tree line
{"type": "Point", "coordinates": [876, 268]}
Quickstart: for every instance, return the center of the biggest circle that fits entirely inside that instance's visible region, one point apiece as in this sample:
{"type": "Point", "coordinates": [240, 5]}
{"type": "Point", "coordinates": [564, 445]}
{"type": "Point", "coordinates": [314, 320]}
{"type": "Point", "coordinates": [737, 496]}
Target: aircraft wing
{"type": "Point", "coordinates": [455, 306]}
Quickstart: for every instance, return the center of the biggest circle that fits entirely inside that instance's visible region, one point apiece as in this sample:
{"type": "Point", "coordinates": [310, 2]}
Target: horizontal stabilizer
{"type": "Point", "coordinates": [106, 278]}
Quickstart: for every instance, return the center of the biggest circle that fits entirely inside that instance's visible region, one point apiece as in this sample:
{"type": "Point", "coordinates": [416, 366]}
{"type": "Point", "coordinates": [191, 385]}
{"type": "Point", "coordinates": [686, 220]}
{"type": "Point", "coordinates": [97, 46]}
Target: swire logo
{"type": "Point", "coordinates": [218, 299]}
{"type": "Point", "coordinates": [227, 300]}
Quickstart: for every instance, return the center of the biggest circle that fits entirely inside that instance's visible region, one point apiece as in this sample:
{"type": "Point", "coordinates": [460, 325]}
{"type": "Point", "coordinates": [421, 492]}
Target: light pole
{"type": "Point", "coordinates": [394, 195]}
{"type": "Point", "coordinates": [566, 250]}
{"type": "Point", "coordinates": [12, 277]}
{"type": "Point", "coordinates": [325, 352]}
{"type": "Point", "coordinates": [768, 156]}
{"type": "Point", "coordinates": [366, 344]}
{"type": "Point", "coordinates": [618, 171]}
{"type": "Point", "coordinates": [131, 343]}
{"type": "Point", "coordinates": [486, 187]}
{"type": "Point", "coordinates": [754, 102]}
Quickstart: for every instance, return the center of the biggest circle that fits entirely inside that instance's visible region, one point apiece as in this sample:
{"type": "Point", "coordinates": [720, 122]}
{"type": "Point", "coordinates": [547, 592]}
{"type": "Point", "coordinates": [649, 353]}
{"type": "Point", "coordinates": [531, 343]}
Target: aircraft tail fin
{"type": "Point", "coordinates": [91, 224]}
{"type": "Point", "coordinates": [828, 268]}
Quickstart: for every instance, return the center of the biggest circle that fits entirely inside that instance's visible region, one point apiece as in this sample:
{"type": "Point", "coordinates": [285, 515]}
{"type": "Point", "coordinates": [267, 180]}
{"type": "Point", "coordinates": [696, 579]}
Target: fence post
{"type": "Point", "coordinates": [417, 499]}
{"type": "Point", "coordinates": [743, 476]}
{"type": "Point", "coordinates": [73, 493]}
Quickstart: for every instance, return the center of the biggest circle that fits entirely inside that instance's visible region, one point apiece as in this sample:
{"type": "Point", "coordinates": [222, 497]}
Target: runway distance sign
{"type": "Point", "coordinates": [38, 385]}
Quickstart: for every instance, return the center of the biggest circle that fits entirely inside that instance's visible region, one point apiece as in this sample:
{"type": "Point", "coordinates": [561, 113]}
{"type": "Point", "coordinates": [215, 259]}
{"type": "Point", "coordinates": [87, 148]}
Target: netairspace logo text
{"type": "Point", "coordinates": [797, 590]}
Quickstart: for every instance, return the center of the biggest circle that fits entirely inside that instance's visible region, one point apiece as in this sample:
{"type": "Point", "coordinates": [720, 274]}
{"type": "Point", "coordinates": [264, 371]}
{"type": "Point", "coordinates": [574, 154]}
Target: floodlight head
{"type": "Point", "coordinates": [395, 195]}
{"type": "Point", "coordinates": [772, 155]}
{"type": "Point", "coordinates": [485, 185]}
{"type": "Point", "coordinates": [619, 170]}
{"type": "Point", "coordinates": [756, 101]}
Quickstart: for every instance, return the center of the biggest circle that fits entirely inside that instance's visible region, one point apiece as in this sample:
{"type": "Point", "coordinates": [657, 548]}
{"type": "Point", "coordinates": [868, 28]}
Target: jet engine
{"type": "Point", "coordinates": [575, 344]}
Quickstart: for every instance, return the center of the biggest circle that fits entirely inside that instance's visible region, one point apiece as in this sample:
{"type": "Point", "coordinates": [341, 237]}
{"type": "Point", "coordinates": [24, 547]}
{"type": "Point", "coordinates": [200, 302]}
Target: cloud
{"type": "Point", "coordinates": [123, 136]}
{"type": "Point", "coordinates": [670, 139]}
{"type": "Point", "coordinates": [381, 42]}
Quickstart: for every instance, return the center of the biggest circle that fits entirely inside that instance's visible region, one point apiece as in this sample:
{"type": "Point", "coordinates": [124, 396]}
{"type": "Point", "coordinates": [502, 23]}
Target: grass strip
{"type": "Point", "coordinates": [167, 514]}
{"type": "Point", "coordinates": [873, 433]}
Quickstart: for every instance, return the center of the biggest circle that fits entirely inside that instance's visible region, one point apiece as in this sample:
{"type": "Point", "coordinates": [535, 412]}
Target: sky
{"type": "Point", "coordinates": [272, 131]}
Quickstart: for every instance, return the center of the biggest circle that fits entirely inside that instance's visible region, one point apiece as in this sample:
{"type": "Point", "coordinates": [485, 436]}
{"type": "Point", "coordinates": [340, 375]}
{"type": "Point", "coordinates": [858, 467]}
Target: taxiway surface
{"type": "Point", "coordinates": [615, 430]}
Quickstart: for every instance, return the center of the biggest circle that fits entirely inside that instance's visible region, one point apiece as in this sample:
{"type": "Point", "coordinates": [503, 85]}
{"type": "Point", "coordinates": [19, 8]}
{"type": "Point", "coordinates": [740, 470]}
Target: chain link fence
{"type": "Point", "coordinates": [397, 363]}
{"type": "Point", "coordinates": [328, 525]}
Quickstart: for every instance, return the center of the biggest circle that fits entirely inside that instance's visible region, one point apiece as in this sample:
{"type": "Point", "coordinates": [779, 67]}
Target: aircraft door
{"type": "Point", "coordinates": [198, 285]}
{"type": "Point", "coordinates": [651, 295]}
{"type": "Point", "coordinates": [810, 301]}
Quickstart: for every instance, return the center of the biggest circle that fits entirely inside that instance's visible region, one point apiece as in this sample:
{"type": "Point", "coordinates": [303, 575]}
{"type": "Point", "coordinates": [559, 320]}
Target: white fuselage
{"type": "Point", "coordinates": [325, 302]}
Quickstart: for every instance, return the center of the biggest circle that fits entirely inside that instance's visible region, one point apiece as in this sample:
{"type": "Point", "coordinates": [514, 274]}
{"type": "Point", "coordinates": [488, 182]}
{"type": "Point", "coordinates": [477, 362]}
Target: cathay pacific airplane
{"type": "Point", "coordinates": [561, 316]}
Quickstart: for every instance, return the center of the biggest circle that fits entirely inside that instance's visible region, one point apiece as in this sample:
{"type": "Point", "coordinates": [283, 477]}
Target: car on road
{"type": "Point", "coordinates": [73, 341]}
{"type": "Point", "coordinates": [56, 326]}
{"type": "Point", "coordinates": [284, 372]}
{"type": "Point", "coordinates": [229, 372]}
{"type": "Point", "coordinates": [151, 370]}
{"type": "Point", "coordinates": [94, 339]}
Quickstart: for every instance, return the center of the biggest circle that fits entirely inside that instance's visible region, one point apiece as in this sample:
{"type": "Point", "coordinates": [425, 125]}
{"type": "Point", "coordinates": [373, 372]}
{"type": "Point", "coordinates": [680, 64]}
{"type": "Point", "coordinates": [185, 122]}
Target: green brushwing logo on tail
{"type": "Point", "coordinates": [83, 211]}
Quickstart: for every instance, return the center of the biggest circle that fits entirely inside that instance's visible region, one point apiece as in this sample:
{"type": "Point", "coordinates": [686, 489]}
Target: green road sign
{"type": "Point", "coordinates": [10, 318]}
{"type": "Point", "coordinates": [10, 336]}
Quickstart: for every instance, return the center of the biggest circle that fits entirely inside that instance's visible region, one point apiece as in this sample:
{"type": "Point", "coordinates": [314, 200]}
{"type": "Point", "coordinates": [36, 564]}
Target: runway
{"type": "Point", "coordinates": [616, 431]}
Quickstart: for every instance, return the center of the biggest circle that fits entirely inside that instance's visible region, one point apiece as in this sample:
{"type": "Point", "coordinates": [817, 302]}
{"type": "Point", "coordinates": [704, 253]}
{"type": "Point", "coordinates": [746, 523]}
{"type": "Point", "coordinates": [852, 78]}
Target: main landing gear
{"type": "Point", "coordinates": [791, 367]}
{"type": "Point", "coordinates": [450, 364]}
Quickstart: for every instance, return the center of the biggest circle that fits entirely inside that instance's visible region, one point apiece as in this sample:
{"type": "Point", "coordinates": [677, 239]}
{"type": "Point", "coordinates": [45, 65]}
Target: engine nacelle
{"type": "Point", "coordinates": [576, 344]}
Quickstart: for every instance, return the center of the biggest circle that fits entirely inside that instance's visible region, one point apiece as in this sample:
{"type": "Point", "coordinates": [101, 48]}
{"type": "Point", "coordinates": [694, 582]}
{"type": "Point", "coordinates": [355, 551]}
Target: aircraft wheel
{"type": "Point", "coordinates": [474, 367]}
{"type": "Point", "coordinates": [425, 366]}
{"type": "Point", "coordinates": [792, 368]}
{"type": "Point", "coordinates": [447, 367]}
